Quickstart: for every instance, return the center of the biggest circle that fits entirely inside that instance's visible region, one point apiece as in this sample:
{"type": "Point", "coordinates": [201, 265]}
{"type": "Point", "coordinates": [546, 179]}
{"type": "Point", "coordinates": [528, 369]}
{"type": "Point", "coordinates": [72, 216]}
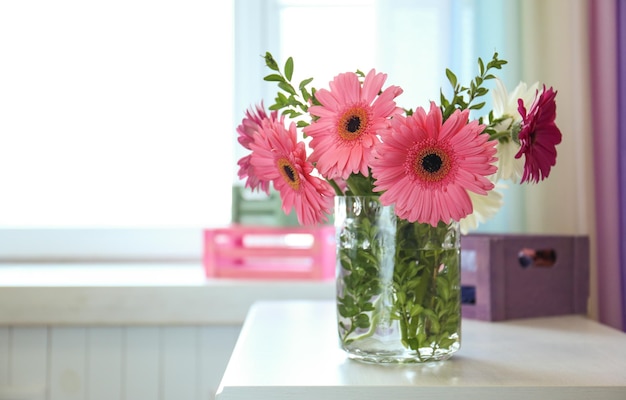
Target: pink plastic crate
{"type": "Point", "coordinates": [270, 252]}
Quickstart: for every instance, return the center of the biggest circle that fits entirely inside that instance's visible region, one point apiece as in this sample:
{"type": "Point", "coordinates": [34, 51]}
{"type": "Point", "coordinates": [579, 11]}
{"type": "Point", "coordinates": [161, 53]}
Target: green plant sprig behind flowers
{"type": "Point", "coordinates": [293, 102]}
{"type": "Point", "coordinates": [463, 97]}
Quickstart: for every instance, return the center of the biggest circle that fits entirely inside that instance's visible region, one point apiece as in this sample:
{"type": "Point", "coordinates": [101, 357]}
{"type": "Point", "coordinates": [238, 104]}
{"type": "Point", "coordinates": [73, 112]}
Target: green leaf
{"type": "Point", "coordinates": [401, 297]}
{"type": "Point", "coordinates": [446, 342]}
{"type": "Point", "coordinates": [281, 98]}
{"type": "Point", "coordinates": [305, 95]}
{"type": "Point", "coordinates": [451, 77]}
{"type": "Point", "coordinates": [348, 301]}
{"type": "Point", "coordinates": [270, 62]}
{"type": "Point", "coordinates": [289, 112]}
{"type": "Point", "coordinates": [477, 106]}
{"type": "Point", "coordinates": [304, 83]}
{"type": "Point", "coordinates": [289, 68]}
{"type": "Point", "coordinates": [416, 310]}
{"type": "Point", "coordinates": [362, 321]}
{"type": "Point", "coordinates": [287, 87]}
{"type": "Point", "coordinates": [342, 310]}
{"type": "Point", "coordinates": [273, 78]}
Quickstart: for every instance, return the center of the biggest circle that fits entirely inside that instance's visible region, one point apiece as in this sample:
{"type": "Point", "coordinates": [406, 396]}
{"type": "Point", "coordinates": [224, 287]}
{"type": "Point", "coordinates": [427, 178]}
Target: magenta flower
{"type": "Point", "coordinates": [249, 126]}
{"type": "Point", "coordinates": [277, 156]}
{"type": "Point", "coordinates": [539, 136]}
{"type": "Point", "coordinates": [426, 167]}
{"type": "Point", "coordinates": [350, 114]}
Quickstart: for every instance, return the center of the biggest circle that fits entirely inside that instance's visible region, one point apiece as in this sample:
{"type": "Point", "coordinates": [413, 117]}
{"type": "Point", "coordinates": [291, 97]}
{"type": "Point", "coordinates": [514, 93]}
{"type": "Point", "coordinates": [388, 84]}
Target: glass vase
{"type": "Point", "coordinates": [398, 284]}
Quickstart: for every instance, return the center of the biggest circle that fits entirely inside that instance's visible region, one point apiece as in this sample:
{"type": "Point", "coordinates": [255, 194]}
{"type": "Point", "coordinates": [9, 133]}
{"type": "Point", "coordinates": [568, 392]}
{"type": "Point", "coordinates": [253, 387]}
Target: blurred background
{"type": "Point", "coordinates": [117, 118]}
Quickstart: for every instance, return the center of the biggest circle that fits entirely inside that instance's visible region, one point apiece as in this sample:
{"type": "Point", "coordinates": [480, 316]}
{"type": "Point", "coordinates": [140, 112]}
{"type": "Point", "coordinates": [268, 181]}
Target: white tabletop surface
{"type": "Point", "coordinates": [289, 350]}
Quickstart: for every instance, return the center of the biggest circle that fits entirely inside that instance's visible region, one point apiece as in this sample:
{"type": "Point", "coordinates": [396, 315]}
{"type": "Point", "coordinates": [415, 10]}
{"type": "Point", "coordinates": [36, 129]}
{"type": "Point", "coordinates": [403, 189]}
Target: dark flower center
{"type": "Point", "coordinates": [354, 123]}
{"type": "Point", "coordinates": [432, 163]}
{"type": "Point", "coordinates": [289, 173]}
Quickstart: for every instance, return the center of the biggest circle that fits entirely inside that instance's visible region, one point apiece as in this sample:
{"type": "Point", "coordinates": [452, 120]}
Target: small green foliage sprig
{"type": "Point", "coordinates": [464, 96]}
{"type": "Point", "coordinates": [293, 102]}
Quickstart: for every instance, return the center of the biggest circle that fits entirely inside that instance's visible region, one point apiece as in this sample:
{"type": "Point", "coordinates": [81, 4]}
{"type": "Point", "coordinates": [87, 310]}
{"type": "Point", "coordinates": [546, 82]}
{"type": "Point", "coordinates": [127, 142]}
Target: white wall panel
{"type": "Point", "coordinates": [4, 356]}
{"type": "Point", "coordinates": [29, 360]}
{"type": "Point", "coordinates": [104, 363]}
{"type": "Point", "coordinates": [68, 363]}
{"type": "Point", "coordinates": [180, 362]}
{"type": "Point", "coordinates": [142, 357]}
{"type": "Point", "coordinates": [111, 363]}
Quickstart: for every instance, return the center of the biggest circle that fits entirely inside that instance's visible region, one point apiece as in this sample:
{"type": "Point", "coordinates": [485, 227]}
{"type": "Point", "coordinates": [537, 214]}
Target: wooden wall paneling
{"type": "Point", "coordinates": [216, 345]}
{"type": "Point", "coordinates": [123, 362]}
{"type": "Point", "coordinates": [141, 377]}
{"type": "Point", "coordinates": [29, 361]}
{"type": "Point", "coordinates": [104, 363]}
{"type": "Point", "coordinates": [68, 354]}
{"type": "Point", "coordinates": [180, 362]}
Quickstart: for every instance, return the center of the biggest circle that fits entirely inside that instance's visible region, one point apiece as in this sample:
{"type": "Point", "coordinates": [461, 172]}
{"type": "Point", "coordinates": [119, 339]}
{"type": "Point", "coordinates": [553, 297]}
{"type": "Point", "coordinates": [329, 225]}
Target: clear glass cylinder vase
{"type": "Point", "coordinates": [398, 284]}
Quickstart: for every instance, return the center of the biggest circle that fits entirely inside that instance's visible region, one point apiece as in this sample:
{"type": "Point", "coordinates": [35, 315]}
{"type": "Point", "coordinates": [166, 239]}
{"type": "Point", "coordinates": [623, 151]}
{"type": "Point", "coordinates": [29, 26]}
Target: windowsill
{"type": "Point", "coordinates": [136, 294]}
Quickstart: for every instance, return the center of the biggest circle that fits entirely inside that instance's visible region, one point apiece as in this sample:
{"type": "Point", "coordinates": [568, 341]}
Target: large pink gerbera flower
{"type": "Point", "coordinates": [344, 135]}
{"type": "Point", "coordinates": [539, 136]}
{"type": "Point", "coordinates": [279, 157]}
{"type": "Point", "coordinates": [249, 126]}
{"type": "Point", "coordinates": [426, 167]}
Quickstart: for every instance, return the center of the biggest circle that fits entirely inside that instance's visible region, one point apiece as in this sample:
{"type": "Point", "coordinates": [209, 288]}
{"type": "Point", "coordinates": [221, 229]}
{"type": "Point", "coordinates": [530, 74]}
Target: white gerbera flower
{"type": "Point", "coordinates": [509, 167]}
{"type": "Point", "coordinates": [485, 207]}
{"type": "Point", "coordinates": [505, 108]}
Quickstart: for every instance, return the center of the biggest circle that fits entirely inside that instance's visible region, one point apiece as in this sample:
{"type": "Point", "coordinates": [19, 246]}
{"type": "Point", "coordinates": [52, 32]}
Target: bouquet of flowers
{"type": "Point", "coordinates": [398, 276]}
{"type": "Point", "coordinates": [432, 164]}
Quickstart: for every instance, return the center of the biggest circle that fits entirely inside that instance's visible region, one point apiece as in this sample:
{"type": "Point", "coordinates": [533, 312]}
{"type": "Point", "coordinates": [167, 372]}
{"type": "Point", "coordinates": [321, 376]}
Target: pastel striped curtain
{"type": "Point", "coordinates": [621, 78]}
{"type": "Point", "coordinates": [608, 97]}
{"type": "Point", "coordinates": [579, 47]}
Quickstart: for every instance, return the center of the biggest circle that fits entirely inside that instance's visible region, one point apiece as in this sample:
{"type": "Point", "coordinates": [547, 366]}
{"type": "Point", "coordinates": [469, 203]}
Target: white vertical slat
{"type": "Point", "coordinates": [104, 363]}
{"type": "Point", "coordinates": [29, 360]}
{"type": "Point", "coordinates": [180, 362]}
{"type": "Point", "coordinates": [216, 346]}
{"type": "Point", "coordinates": [5, 359]}
{"type": "Point", "coordinates": [141, 363]}
{"type": "Point", "coordinates": [67, 363]}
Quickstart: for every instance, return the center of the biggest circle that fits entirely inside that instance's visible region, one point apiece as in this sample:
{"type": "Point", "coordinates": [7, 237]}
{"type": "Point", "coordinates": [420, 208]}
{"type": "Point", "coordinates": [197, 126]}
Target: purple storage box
{"type": "Point", "coordinates": [505, 276]}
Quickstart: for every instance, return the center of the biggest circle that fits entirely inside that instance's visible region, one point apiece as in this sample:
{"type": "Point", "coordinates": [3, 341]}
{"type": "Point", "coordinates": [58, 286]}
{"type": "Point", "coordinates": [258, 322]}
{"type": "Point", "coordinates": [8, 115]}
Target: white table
{"type": "Point", "coordinates": [288, 350]}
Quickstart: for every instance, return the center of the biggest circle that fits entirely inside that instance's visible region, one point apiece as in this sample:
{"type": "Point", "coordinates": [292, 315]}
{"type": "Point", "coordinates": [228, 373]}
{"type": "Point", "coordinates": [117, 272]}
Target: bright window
{"type": "Point", "coordinates": [117, 117]}
{"type": "Point", "coordinates": [115, 113]}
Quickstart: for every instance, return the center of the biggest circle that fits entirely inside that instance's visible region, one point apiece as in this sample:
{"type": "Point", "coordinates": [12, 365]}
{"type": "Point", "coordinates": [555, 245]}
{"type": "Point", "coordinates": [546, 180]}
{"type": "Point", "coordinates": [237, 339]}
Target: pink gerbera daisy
{"type": "Point", "coordinates": [426, 167]}
{"type": "Point", "coordinates": [539, 136]}
{"type": "Point", "coordinates": [279, 157]}
{"type": "Point", "coordinates": [343, 136]}
{"type": "Point", "coordinates": [249, 126]}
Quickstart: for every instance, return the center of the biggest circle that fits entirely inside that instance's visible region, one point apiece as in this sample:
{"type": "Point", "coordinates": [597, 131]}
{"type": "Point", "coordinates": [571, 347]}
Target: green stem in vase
{"type": "Point", "coordinates": [398, 282]}
{"type": "Point", "coordinates": [425, 303]}
{"type": "Point", "coordinates": [359, 259]}
{"type": "Point", "coordinates": [369, 324]}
